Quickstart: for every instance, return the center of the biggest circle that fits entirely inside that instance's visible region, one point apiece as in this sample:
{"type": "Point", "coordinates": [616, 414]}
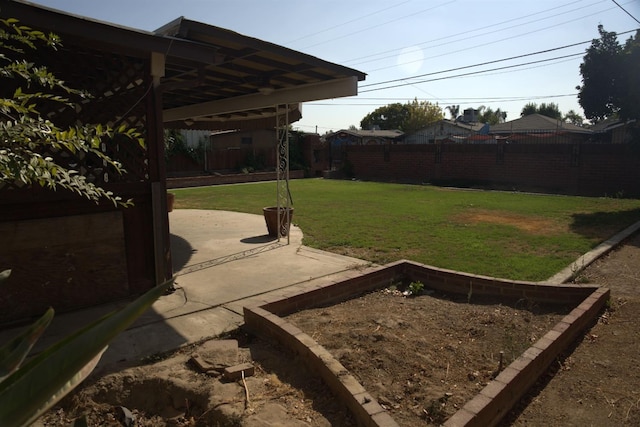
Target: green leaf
{"type": "Point", "coordinates": [26, 394]}
{"type": "Point", "coordinates": [4, 275]}
{"type": "Point", "coordinates": [80, 376]}
{"type": "Point", "coordinates": [13, 353]}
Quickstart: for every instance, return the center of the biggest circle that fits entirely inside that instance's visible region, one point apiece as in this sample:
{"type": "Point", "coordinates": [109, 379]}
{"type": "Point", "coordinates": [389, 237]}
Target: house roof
{"type": "Point", "coordinates": [395, 133]}
{"type": "Point", "coordinates": [609, 124]}
{"type": "Point", "coordinates": [475, 126]}
{"type": "Point", "coordinates": [535, 123]}
{"type": "Point", "coordinates": [213, 78]}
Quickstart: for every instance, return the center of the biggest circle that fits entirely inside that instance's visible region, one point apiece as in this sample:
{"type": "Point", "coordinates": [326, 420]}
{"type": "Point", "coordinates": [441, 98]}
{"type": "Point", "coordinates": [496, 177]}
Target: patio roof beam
{"type": "Point", "coordinates": [132, 41]}
{"type": "Point", "coordinates": [312, 92]}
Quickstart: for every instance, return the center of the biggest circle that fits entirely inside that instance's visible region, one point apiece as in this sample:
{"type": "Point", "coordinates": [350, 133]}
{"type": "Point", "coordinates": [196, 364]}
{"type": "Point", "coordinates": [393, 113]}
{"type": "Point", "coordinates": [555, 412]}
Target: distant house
{"type": "Point", "coordinates": [449, 131]}
{"type": "Point", "coordinates": [337, 141]}
{"type": "Point", "coordinates": [364, 137]}
{"type": "Point", "coordinates": [613, 131]}
{"type": "Point", "coordinates": [536, 128]}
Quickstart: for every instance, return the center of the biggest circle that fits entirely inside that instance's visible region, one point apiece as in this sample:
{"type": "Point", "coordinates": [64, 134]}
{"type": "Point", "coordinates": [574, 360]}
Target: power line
{"type": "Point", "coordinates": [378, 25]}
{"type": "Point", "coordinates": [485, 100]}
{"type": "Point", "coordinates": [466, 33]}
{"type": "Point", "coordinates": [477, 65]}
{"type": "Point", "coordinates": [472, 73]}
{"type": "Point", "coordinates": [492, 62]}
{"type": "Point", "coordinates": [625, 11]}
{"type": "Point", "coordinates": [496, 41]}
{"type": "Point", "coordinates": [348, 22]}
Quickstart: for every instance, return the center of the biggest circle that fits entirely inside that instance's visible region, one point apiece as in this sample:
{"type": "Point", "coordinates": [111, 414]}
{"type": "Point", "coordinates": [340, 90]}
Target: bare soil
{"type": "Point", "coordinates": [597, 382]}
{"type": "Point", "coordinates": [421, 357]}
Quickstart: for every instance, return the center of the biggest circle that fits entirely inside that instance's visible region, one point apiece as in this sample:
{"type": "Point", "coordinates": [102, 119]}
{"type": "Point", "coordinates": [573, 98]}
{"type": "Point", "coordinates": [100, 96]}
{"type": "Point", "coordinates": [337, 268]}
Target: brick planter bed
{"type": "Point", "coordinates": [495, 400]}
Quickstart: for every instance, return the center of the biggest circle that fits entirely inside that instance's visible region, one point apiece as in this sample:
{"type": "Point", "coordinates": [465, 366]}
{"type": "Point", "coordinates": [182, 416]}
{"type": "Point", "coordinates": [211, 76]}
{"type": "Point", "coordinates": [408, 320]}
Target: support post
{"type": "Point", "coordinates": [283, 195]}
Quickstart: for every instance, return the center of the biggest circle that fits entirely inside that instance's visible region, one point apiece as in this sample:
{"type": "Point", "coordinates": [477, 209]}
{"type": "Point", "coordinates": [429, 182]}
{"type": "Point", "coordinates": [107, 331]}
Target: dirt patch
{"type": "Point", "coordinates": [597, 382]}
{"type": "Point", "coordinates": [424, 357]}
{"type": "Point", "coordinates": [445, 353]}
{"type": "Point", "coordinates": [533, 225]}
{"type": "Point", "coordinates": [173, 393]}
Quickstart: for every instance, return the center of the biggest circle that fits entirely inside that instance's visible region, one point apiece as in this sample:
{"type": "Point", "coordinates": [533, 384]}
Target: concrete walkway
{"type": "Point", "coordinates": [221, 260]}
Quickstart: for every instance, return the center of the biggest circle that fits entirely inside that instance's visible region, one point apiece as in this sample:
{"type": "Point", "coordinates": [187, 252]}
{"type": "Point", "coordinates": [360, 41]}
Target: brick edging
{"type": "Point", "coordinates": [495, 400]}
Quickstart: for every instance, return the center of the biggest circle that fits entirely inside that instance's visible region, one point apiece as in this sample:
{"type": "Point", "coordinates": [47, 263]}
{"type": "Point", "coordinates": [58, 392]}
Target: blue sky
{"type": "Point", "coordinates": [400, 39]}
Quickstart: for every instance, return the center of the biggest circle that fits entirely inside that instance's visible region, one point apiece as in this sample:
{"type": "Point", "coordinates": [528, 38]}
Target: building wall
{"type": "Point", "coordinates": [257, 139]}
{"type": "Point", "coordinates": [438, 130]}
{"type": "Point", "coordinates": [583, 169]}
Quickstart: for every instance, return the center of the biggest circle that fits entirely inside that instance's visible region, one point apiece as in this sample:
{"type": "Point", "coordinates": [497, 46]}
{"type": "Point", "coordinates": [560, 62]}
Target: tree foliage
{"type": "Point", "coordinates": [28, 92]}
{"type": "Point", "coordinates": [573, 118]}
{"type": "Point", "coordinates": [421, 114]}
{"type": "Point", "coordinates": [488, 115]}
{"type": "Point", "coordinates": [550, 110]}
{"type": "Point", "coordinates": [454, 111]}
{"type": "Point", "coordinates": [390, 116]}
{"type": "Point", "coordinates": [610, 84]}
{"type": "Point", "coordinates": [407, 117]}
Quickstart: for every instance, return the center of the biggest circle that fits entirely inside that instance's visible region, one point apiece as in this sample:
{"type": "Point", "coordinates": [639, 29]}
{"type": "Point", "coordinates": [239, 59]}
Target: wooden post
{"type": "Point", "coordinates": [158, 173]}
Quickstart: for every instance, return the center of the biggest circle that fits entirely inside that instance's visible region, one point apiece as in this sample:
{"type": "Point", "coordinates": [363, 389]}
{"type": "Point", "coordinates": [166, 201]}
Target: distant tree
{"type": "Point", "coordinates": [529, 108]}
{"type": "Point", "coordinates": [629, 96]}
{"type": "Point", "coordinates": [407, 117]}
{"type": "Point", "coordinates": [454, 111]}
{"type": "Point", "coordinates": [353, 127]}
{"type": "Point", "coordinates": [492, 117]}
{"type": "Point", "coordinates": [573, 118]}
{"type": "Point", "coordinates": [421, 114]}
{"type": "Point", "coordinates": [610, 84]}
{"type": "Point", "coordinates": [390, 116]}
{"type": "Point", "coordinates": [600, 72]}
{"type": "Point", "coordinates": [550, 110]}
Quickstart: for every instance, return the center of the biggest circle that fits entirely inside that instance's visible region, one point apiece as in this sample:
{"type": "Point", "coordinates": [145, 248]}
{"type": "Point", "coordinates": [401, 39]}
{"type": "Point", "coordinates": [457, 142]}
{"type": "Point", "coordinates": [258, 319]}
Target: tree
{"type": "Point", "coordinates": [407, 117]}
{"type": "Point", "coordinates": [25, 133]}
{"type": "Point", "coordinates": [353, 127]}
{"type": "Point", "coordinates": [421, 114]}
{"type": "Point", "coordinates": [529, 108]}
{"type": "Point", "coordinates": [390, 116]}
{"type": "Point", "coordinates": [610, 72]}
{"type": "Point", "coordinates": [454, 110]}
{"type": "Point", "coordinates": [573, 118]}
{"type": "Point", "coordinates": [550, 110]}
{"type": "Point", "coordinates": [488, 115]}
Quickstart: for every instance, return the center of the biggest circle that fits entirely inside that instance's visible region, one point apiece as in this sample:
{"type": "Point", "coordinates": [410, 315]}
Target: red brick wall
{"type": "Point", "coordinates": [585, 169]}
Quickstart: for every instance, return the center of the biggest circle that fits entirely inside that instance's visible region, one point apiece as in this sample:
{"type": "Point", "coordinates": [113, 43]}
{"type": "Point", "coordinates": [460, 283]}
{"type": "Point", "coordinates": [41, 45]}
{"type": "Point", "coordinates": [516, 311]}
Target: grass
{"type": "Point", "coordinates": [501, 234]}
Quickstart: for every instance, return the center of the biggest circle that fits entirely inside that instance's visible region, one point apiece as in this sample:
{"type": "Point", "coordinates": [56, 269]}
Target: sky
{"type": "Point", "coordinates": [409, 48]}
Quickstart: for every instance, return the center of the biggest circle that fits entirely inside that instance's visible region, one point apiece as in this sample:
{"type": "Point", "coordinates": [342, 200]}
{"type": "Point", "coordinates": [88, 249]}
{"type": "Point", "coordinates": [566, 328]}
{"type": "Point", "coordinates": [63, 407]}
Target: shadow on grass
{"type": "Point", "coordinates": [603, 225]}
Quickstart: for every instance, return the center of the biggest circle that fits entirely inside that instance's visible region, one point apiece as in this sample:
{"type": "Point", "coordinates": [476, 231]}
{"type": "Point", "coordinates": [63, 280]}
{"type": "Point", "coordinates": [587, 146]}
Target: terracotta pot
{"type": "Point", "coordinates": [171, 198]}
{"type": "Point", "coordinates": [271, 218]}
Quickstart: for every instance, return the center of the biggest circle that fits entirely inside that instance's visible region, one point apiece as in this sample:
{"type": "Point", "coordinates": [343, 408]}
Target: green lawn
{"type": "Point", "coordinates": [510, 235]}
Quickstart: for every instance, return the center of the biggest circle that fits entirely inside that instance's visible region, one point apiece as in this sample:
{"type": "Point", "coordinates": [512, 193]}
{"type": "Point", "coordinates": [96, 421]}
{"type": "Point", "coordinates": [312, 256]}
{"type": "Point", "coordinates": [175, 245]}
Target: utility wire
{"type": "Point", "coordinates": [348, 22]}
{"type": "Point", "coordinates": [490, 62]}
{"type": "Point", "coordinates": [496, 41]}
{"type": "Point", "coordinates": [467, 34]}
{"type": "Point", "coordinates": [485, 100]}
{"type": "Point", "coordinates": [378, 25]}
{"type": "Point", "coordinates": [471, 73]}
{"type": "Point", "coordinates": [625, 11]}
{"type": "Point", "coordinates": [476, 65]}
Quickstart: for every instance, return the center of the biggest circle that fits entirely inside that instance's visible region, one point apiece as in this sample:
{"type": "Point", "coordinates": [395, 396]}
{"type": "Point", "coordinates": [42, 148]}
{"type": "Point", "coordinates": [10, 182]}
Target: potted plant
{"type": "Point", "coordinates": [171, 198]}
{"type": "Point", "coordinates": [271, 218]}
